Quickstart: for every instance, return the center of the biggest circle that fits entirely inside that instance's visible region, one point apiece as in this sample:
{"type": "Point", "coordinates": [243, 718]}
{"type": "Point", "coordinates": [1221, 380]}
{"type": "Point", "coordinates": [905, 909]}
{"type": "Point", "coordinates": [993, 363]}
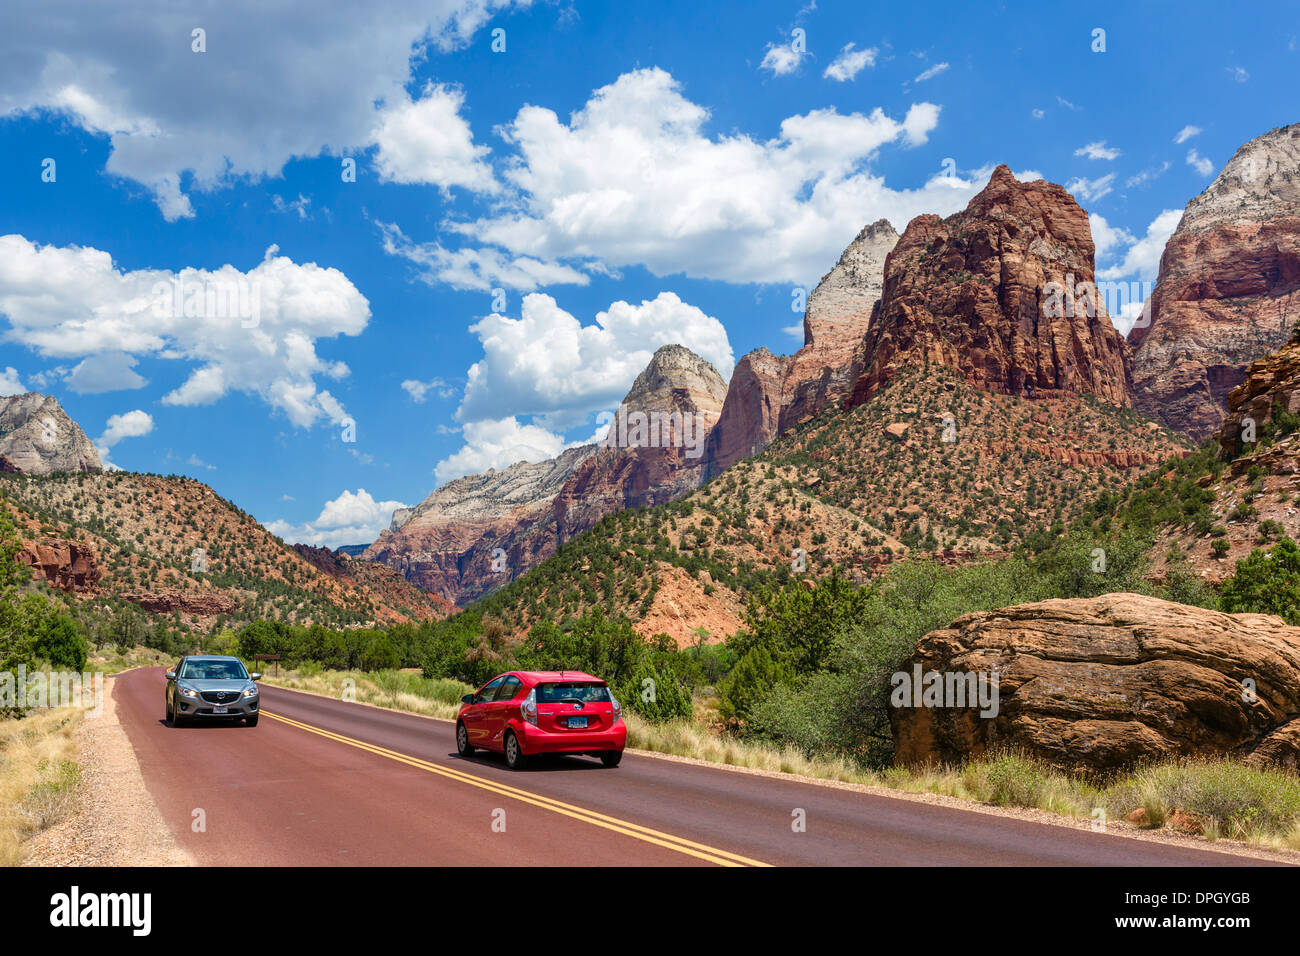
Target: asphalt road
{"type": "Point", "coordinates": [323, 782]}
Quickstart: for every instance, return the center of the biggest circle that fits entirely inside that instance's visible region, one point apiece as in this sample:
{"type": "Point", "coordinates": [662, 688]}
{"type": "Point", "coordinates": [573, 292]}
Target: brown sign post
{"type": "Point", "coordinates": [269, 657]}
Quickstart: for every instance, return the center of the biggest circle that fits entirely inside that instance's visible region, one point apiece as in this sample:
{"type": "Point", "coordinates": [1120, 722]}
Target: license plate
{"type": "Point", "coordinates": [577, 723]}
{"type": "Point", "coordinates": [221, 710]}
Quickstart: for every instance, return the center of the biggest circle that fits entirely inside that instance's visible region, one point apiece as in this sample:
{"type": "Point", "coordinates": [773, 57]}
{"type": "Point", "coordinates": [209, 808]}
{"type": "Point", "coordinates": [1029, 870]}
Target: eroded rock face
{"type": "Point", "coordinates": [1228, 289]}
{"type": "Point", "coordinates": [38, 438]}
{"type": "Point", "coordinates": [201, 603]}
{"type": "Point", "coordinates": [973, 292]}
{"type": "Point", "coordinates": [1104, 683]}
{"type": "Point", "coordinates": [449, 543]}
{"type": "Point", "coordinates": [653, 458]}
{"type": "Point", "coordinates": [771, 394]}
{"type": "Point", "coordinates": [68, 565]}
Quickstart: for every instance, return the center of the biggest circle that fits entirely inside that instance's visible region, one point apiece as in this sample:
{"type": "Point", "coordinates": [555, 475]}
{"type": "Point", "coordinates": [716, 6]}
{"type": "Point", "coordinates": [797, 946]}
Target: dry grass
{"type": "Point", "coordinates": [39, 776]}
{"type": "Point", "coordinates": [396, 690]}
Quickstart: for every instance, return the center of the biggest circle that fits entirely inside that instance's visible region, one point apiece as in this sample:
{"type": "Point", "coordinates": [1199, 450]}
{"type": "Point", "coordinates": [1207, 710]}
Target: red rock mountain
{"type": "Point", "coordinates": [1228, 290]}
{"type": "Point", "coordinates": [480, 532]}
{"type": "Point", "coordinates": [996, 293]}
{"type": "Point", "coordinates": [771, 394]}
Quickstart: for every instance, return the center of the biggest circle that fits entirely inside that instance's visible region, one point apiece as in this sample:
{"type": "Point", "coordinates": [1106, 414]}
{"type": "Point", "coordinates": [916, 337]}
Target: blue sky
{"type": "Point", "coordinates": [528, 224]}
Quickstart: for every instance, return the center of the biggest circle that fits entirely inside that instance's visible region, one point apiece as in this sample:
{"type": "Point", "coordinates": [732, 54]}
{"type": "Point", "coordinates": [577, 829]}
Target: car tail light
{"type": "Point", "coordinates": [529, 707]}
{"type": "Point", "coordinates": [618, 708]}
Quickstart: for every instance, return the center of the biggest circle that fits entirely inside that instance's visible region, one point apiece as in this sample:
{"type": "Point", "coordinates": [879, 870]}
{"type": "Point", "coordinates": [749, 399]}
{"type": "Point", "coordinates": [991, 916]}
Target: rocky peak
{"type": "Point", "coordinates": [38, 438]}
{"type": "Point", "coordinates": [1228, 290]}
{"type": "Point", "coordinates": [676, 380]}
{"type": "Point", "coordinates": [840, 307]}
{"type": "Point", "coordinates": [995, 293]}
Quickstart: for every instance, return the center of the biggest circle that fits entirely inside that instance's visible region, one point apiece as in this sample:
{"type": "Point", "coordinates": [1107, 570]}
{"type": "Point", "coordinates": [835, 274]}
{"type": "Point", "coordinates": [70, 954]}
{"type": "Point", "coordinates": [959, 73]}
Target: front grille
{"type": "Point", "coordinates": [220, 696]}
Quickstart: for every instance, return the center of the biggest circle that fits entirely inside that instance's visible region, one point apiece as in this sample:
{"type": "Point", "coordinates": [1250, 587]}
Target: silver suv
{"type": "Point", "coordinates": [207, 687]}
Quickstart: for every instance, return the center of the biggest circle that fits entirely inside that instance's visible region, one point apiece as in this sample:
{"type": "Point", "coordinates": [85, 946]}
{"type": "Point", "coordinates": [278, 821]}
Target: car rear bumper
{"type": "Point", "coordinates": [534, 740]}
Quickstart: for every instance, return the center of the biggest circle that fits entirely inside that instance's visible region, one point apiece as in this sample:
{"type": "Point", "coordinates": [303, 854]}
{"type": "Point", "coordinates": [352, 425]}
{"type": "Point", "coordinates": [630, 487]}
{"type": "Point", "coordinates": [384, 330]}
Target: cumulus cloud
{"type": "Point", "coordinates": [1106, 239]}
{"type": "Point", "coordinates": [634, 179]}
{"type": "Point", "coordinates": [133, 424]}
{"type": "Point", "coordinates": [10, 383]}
{"type": "Point", "coordinates": [850, 63]}
{"type": "Point", "coordinates": [498, 443]}
{"type": "Point", "coordinates": [548, 363]}
{"type": "Point", "coordinates": [276, 81]}
{"type": "Point", "coordinates": [428, 141]}
{"type": "Point", "coordinates": [1186, 133]}
{"type": "Point", "coordinates": [781, 59]}
{"type": "Point", "coordinates": [351, 518]}
{"type": "Point", "coordinates": [1199, 163]}
{"type": "Point", "coordinates": [105, 372]}
{"type": "Point", "coordinates": [253, 331]}
{"type": "Point", "coordinates": [1142, 256]}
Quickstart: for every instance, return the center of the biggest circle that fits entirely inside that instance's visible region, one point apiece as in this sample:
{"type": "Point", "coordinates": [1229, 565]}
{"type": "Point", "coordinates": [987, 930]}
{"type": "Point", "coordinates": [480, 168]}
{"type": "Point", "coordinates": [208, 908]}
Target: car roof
{"type": "Point", "coordinates": [209, 657]}
{"type": "Point", "coordinates": [538, 677]}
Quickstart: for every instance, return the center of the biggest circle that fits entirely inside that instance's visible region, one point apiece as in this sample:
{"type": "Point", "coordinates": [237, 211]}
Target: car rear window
{"type": "Point", "coordinates": [585, 691]}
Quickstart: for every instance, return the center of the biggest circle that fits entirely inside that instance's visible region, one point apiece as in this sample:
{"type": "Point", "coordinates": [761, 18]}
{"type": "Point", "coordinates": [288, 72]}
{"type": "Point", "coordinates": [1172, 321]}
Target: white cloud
{"type": "Point", "coordinates": [10, 383]}
{"type": "Point", "coordinates": [419, 391]}
{"type": "Point", "coordinates": [781, 59]}
{"type": "Point", "coordinates": [547, 363]}
{"type": "Point", "coordinates": [633, 179]}
{"type": "Point", "coordinates": [301, 205]}
{"type": "Point", "coordinates": [1147, 175]}
{"type": "Point", "coordinates": [428, 141]}
{"type": "Point", "coordinates": [133, 424]}
{"type": "Point", "coordinates": [850, 63]}
{"type": "Point", "coordinates": [1090, 190]}
{"type": "Point", "coordinates": [1238, 73]}
{"type": "Point", "coordinates": [498, 443]}
{"type": "Point", "coordinates": [1067, 104]}
{"type": "Point", "coordinates": [479, 269]}
{"type": "Point", "coordinates": [1107, 238]}
{"type": "Point", "coordinates": [931, 73]}
{"type": "Point", "coordinates": [1142, 258]}
{"type": "Point", "coordinates": [253, 331]}
{"type": "Point", "coordinates": [277, 81]}
{"type": "Point", "coordinates": [1037, 114]}
{"type": "Point", "coordinates": [1186, 133]}
{"type": "Point", "coordinates": [105, 372]}
{"type": "Point", "coordinates": [351, 518]}
{"type": "Point", "coordinates": [1199, 163]}
{"type": "Point", "coordinates": [1098, 150]}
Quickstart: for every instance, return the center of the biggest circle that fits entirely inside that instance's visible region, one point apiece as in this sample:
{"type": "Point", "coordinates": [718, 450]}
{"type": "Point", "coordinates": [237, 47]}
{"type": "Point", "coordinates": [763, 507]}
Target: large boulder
{"type": "Point", "coordinates": [1105, 683]}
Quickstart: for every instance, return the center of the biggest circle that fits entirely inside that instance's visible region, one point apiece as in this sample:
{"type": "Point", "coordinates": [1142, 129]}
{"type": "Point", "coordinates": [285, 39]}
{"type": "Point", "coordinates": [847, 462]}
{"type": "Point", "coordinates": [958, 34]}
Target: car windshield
{"type": "Point", "coordinates": [585, 691]}
{"type": "Point", "coordinates": [214, 670]}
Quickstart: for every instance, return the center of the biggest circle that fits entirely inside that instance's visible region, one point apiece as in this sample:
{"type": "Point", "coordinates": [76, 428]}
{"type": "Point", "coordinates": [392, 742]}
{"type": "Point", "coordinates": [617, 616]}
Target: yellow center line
{"type": "Point", "coordinates": [625, 827]}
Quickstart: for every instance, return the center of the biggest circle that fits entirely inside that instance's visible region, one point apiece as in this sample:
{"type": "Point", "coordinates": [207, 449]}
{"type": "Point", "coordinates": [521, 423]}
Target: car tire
{"type": "Point", "coordinates": [251, 721]}
{"type": "Point", "coordinates": [611, 758]}
{"type": "Point", "coordinates": [462, 741]}
{"type": "Point", "coordinates": [170, 718]}
{"type": "Point", "coordinates": [515, 758]}
{"type": "Point", "coordinates": [177, 720]}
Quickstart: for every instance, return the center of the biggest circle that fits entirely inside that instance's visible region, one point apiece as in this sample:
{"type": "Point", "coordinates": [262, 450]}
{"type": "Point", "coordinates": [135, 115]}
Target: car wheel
{"type": "Point", "coordinates": [462, 742]}
{"type": "Point", "coordinates": [610, 758]}
{"type": "Point", "coordinates": [252, 721]}
{"type": "Point", "coordinates": [515, 758]}
{"type": "Point", "coordinates": [169, 711]}
{"type": "Point", "coordinates": [177, 720]}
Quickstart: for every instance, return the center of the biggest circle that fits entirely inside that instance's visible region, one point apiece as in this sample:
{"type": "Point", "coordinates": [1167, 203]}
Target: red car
{"type": "Point", "coordinates": [526, 713]}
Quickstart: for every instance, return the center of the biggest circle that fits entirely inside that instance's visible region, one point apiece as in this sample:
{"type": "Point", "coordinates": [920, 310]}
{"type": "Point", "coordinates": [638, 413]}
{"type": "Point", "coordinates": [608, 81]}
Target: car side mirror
{"type": "Point", "coordinates": [467, 699]}
{"type": "Point", "coordinates": [256, 675]}
{"type": "Point", "coordinates": [171, 675]}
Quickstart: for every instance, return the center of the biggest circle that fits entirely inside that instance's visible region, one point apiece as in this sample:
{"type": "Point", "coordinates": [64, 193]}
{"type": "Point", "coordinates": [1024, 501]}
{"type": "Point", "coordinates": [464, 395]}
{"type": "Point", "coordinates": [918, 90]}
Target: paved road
{"type": "Point", "coordinates": [323, 782]}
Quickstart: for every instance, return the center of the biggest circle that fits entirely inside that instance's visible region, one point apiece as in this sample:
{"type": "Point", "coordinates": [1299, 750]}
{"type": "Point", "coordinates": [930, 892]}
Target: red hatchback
{"type": "Point", "coordinates": [526, 713]}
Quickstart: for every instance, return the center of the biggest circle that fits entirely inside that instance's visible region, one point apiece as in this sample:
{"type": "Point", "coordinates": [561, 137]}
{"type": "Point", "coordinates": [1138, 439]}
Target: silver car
{"type": "Point", "coordinates": [207, 687]}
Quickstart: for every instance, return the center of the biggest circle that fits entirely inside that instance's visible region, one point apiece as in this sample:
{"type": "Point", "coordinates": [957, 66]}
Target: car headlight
{"type": "Point", "coordinates": [250, 690]}
{"type": "Point", "coordinates": [188, 692]}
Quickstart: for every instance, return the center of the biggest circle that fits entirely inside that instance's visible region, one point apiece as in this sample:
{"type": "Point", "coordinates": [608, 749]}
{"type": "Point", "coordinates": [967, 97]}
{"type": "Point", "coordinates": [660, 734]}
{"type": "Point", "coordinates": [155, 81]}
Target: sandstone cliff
{"type": "Point", "coordinates": [1228, 289]}
{"type": "Point", "coordinates": [65, 564]}
{"type": "Point", "coordinates": [996, 293]}
{"type": "Point", "coordinates": [770, 394]}
{"type": "Point", "coordinates": [38, 438]}
{"type": "Point", "coordinates": [1105, 683]}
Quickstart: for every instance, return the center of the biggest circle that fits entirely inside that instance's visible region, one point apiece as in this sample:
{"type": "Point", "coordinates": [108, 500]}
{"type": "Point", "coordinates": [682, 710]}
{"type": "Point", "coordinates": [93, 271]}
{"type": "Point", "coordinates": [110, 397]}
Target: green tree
{"type": "Point", "coordinates": [1266, 582]}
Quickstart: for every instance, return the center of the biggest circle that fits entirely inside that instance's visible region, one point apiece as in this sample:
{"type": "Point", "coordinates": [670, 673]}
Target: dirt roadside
{"type": "Point", "coordinates": [115, 822]}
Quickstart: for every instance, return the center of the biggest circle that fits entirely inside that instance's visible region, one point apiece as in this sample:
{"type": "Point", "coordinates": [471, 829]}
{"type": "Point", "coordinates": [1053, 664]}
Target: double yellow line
{"type": "Point", "coordinates": [634, 830]}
